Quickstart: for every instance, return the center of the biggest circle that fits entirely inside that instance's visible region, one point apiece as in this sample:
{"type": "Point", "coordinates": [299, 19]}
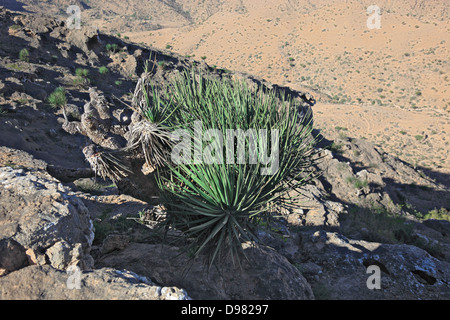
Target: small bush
{"type": "Point", "coordinates": [336, 148]}
{"type": "Point", "coordinates": [161, 64]}
{"type": "Point", "coordinates": [80, 72]}
{"type": "Point", "coordinates": [112, 48]}
{"type": "Point", "coordinates": [58, 97]}
{"type": "Point", "coordinates": [381, 225]}
{"type": "Point", "coordinates": [103, 70]}
{"type": "Point", "coordinates": [357, 183]}
{"type": "Point", "coordinates": [14, 27]}
{"type": "Point", "coordinates": [220, 205]}
{"type": "Point", "coordinates": [24, 55]}
{"type": "Point", "coordinates": [81, 77]}
{"type": "Point", "coordinates": [441, 214]}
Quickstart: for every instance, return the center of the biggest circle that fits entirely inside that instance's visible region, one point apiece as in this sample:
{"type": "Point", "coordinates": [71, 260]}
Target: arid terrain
{"type": "Point", "coordinates": [322, 47]}
{"type": "Point", "coordinates": [380, 102]}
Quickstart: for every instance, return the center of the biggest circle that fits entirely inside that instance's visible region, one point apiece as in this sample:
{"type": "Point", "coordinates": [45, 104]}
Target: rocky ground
{"type": "Point", "coordinates": [367, 208]}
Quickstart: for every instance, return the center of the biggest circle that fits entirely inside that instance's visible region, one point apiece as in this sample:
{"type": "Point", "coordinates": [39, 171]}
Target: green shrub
{"type": "Point", "coordinates": [103, 70]}
{"type": "Point", "coordinates": [80, 72]}
{"type": "Point", "coordinates": [112, 48]}
{"type": "Point", "coordinates": [381, 224]}
{"type": "Point", "coordinates": [82, 77]}
{"type": "Point", "coordinates": [220, 205]}
{"type": "Point", "coordinates": [24, 55]}
{"type": "Point", "coordinates": [357, 182]}
{"type": "Point", "coordinates": [441, 214]}
{"type": "Point", "coordinates": [58, 97]}
{"type": "Point", "coordinates": [336, 148]}
{"type": "Point", "coordinates": [14, 27]}
{"type": "Point", "coordinates": [161, 64]}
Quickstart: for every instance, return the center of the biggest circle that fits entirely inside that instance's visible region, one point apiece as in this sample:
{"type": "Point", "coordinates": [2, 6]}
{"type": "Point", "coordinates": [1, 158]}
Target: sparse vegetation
{"type": "Point", "coordinates": [161, 64]}
{"type": "Point", "coordinates": [218, 206]}
{"type": "Point", "coordinates": [80, 72]}
{"type": "Point", "coordinates": [112, 48]}
{"type": "Point", "coordinates": [378, 224]}
{"type": "Point", "coordinates": [104, 226]}
{"type": "Point", "coordinates": [15, 67]}
{"type": "Point", "coordinates": [14, 27]}
{"type": "Point", "coordinates": [437, 214]}
{"type": "Point", "coordinates": [336, 147]}
{"type": "Point", "coordinates": [24, 55]}
{"type": "Point", "coordinates": [81, 77]}
{"type": "Point", "coordinates": [58, 97]}
{"type": "Point", "coordinates": [103, 70]}
{"type": "Point", "coordinates": [358, 183]}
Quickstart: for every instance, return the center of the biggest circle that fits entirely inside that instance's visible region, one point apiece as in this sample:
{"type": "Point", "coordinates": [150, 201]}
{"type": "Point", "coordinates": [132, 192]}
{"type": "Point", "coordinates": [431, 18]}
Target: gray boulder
{"type": "Point", "coordinates": [47, 283]}
{"type": "Point", "coordinates": [48, 221]}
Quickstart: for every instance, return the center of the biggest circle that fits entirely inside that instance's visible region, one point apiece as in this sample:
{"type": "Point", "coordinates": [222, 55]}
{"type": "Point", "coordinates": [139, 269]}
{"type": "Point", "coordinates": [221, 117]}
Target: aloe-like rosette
{"type": "Point", "coordinates": [219, 203]}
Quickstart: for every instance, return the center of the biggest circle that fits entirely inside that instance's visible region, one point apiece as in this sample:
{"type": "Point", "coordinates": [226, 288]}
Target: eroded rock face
{"type": "Point", "coordinates": [265, 275]}
{"type": "Point", "coordinates": [45, 218]}
{"type": "Point", "coordinates": [340, 264]}
{"type": "Point", "coordinates": [47, 283]}
{"type": "Point", "coordinates": [12, 256]}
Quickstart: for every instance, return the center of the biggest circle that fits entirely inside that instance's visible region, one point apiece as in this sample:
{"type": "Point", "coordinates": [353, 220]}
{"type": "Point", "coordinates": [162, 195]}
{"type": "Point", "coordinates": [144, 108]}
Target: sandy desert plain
{"type": "Point", "coordinates": [388, 85]}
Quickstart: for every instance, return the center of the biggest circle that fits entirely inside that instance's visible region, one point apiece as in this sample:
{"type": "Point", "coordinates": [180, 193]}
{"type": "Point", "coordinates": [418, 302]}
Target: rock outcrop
{"type": "Point", "coordinates": [340, 265]}
{"type": "Point", "coordinates": [45, 219]}
{"type": "Point", "coordinates": [266, 275]}
{"type": "Point", "coordinates": [47, 283]}
{"type": "Point", "coordinates": [53, 232]}
{"type": "Point", "coordinates": [46, 234]}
